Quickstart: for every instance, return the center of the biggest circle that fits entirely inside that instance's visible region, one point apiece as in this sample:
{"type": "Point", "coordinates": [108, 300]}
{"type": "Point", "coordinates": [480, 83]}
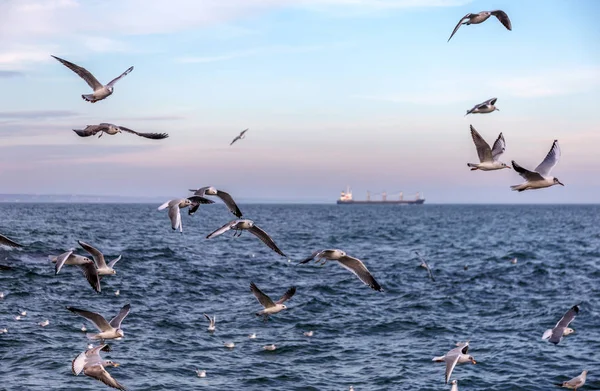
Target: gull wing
{"type": "Point", "coordinates": [483, 148]}
{"type": "Point", "coordinates": [90, 130]}
{"type": "Point", "coordinates": [426, 266]}
{"type": "Point", "coordinates": [7, 242]}
{"type": "Point", "coordinates": [99, 373]}
{"type": "Point", "coordinates": [243, 131]}
{"type": "Point", "coordinates": [356, 266]}
{"type": "Point", "coordinates": [563, 323]}
{"type": "Point", "coordinates": [263, 299]}
{"type": "Point", "coordinates": [78, 363]}
{"type": "Point", "coordinates": [91, 275]}
{"type": "Point", "coordinates": [467, 16]}
{"type": "Point", "coordinates": [287, 295]}
{"type": "Point", "coordinates": [116, 321]}
{"type": "Point", "coordinates": [526, 174]}
{"type": "Point", "coordinates": [61, 259]}
{"type": "Point", "coordinates": [235, 139]}
{"type": "Point", "coordinates": [97, 319]}
{"type": "Point", "coordinates": [113, 81]}
{"type": "Point", "coordinates": [153, 136]}
{"type": "Point", "coordinates": [451, 361]}
{"type": "Point", "coordinates": [83, 73]}
{"type": "Point", "coordinates": [228, 200]}
{"type": "Point", "coordinates": [114, 261]}
{"type": "Point", "coordinates": [491, 101]}
{"type": "Point", "coordinates": [95, 253]}
{"type": "Point", "coordinates": [503, 18]}
{"type": "Point", "coordinates": [212, 322]}
{"type": "Point", "coordinates": [311, 257]}
{"type": "Point", "coordinates": [221, 230]}
{"type": "Point", "coordinates": [200, 199]}
{"type": "Point", "coordinates": [262, 235]}
{"type": "Point", "coordinates": [499, 147]}
{"type": "Point", "coordinates": [550, 161]}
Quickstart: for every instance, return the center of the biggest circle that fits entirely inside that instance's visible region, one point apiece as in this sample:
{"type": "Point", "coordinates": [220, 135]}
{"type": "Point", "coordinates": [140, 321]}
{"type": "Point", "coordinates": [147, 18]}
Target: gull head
{"type": "Point", "coordinates": [557, 182]}
{"type": "Point", "coordinates": [472, 359]}
{"type": "Point", "coordinates": [110, 89]}
{"type": "Point", "coordinates": [211, 190]}
{"type": "Point", "coordinates": [568, 331]}
{"type": "Point", "coordinates": [337, 254]}
{"type": "Point", "coordinates": [504, 165]}
{"type": "Point", "coordinates": [111, 364]}
{"type": "Point", "coordinates": [185, 202]}
{"type": "Point", "coordinates": [282, 306]}
{"type": "Point", "coordinates": [120, 333]}
{"type": "Point", "coordinates": [113, 271]}
{"type": "Point", "coordinates": [86, 260]}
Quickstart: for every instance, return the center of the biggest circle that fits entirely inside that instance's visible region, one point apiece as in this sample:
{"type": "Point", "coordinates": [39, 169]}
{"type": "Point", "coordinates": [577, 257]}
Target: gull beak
{"type": "Point", "coordinates": [560, 183]}
{"type": "Point", "coordinates": [509, 167]}
{"type": "Point", "coordinates": [473, 361]}
{"type": "Point", "coordinates": [116, 364]}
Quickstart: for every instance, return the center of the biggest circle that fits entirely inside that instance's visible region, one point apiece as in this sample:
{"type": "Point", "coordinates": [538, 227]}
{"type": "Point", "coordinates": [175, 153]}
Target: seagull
{"type": "Point", "coordinates": [270, 306]}
{"type": "Point", "coordinates": [561, 329]}
{"type": "Point", "coordinates": [270, 347]}
{"type": "Point", "coordinates": [485, 107]}
{"type": "Point", "coordinates": [351, 388]}
{"type": "Point", "coordinates": [454, 385]}
{"type": "Point", "coordinates": [117, 292]}
{"type": "Point", "coordinates": [539, 178]}
{"type": "Point", "coordinates": [241, 225]}
{"type": "Point", "coordinates": [211, 326]}
{"type": "Point", "coordinates": [83, 328]}
{"type": "Point", "coordinates": [229, 345]}
{"type": "Point", "coordinates": [355, 265]}
{"type": "Point", "coordinates": [180, 203]}
{"type": "Point", "coordinates": [455, 356]}
{"type": "Point", "coordinates": [103, 268]}
{"type": "Point", "coordinates": [201, 373]}
{"type": "Point", "coordinates": [23, 313]}
{"type": "Point", "coordinates": [309, 333]}
{"type": "Point", "coordinates": [93, 366]}
{"type": "Point", "coordinates": [44, 323]}
{"type": "Point", "coordinates": [110, 129]}
{"type": "Point", "coordinates": [1, 295]}
{"type": "Point", "coordinates": [85, 264]}
{"type": "Point", "coordinates": [488, 157]}
{"type": "Point", "coordinates": [574, 383]}
{"type": "Point", "coordinates": [108, 330]}
{"type": "Point", "coordinates": [241, 136]}
{"type": "Point", "coordinates": [482, 17]}
{"type": "Point", "coordinates": [7, 242]}
{"type": "Point", "coordinates": [3, 331]}
{"type": "Point", "coordinates": [18, 317]}
{"type": "Point", "coordinates": [425, 265]}
{"type": "Point", "coordinates": [513, 261]}
{"type": "Point", "coordinates": [100, 91]}
{"type": "Point", "coordinates": [211, 191]}
{"type": "Point", "coordinates": [252, 336]}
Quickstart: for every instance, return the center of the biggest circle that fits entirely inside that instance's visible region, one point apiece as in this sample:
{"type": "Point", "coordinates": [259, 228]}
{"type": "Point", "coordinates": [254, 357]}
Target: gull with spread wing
{"type": "Point", "coordinates": [241, 136]}
{"type": "Point", "coordinates": [111, 129]}
{"type": "Point", "coordinates": [455, 356]}
{"type": "Point", "coordinates": [100, 91]}
{"type": "Point", "coordinates": [103, 268]}
{"type": "Point", "coordinates": [540, 177]}
{"type": "Point", "coordinates": [425, 265]}
{"type": "Point", "coordinates": [94, 366]}
{"type": "Point", "coordinates": [270, 306]}
{"type": "Point", "coordinates": [10, 243]}
{"type": "Point", "coordinates": [482, 17]}
{"type": "Point", "coordinates": [87, 266]}
{"type": "Point", "coordinates": [562, 328]}
{"type": "Point", "coordinates": [108, 330]}
{"type": "Point", "coordinates": [488, 157]}
{"type": "Point", "coordinates": [247, 225]}
{"type": "Point", "coordinates": [355, 265]}
{"type": "Point", "coordinates": [211, 191]}
{"type": "Point", "coordinates": [211, 322]}
{"type": "Point", "coordinates": [484, 108]}
{"type": "Point", "coordinates": [180, 203]}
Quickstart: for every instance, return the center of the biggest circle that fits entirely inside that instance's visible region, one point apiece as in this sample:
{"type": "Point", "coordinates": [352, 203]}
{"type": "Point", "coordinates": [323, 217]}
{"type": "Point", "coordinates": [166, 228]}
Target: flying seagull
{"type": "Point", "coordinates": [180, 203]}
{"type": "Point", "coordinates": [482, 17]}
{"type": "Point", "coordinates": [103, 268]}
{"type": "Point", "coordinates": [270, 306]}
{"type": "Point", "coordinates": [108, 330]}
{"type": "Point", "coordinates": [574, 383]}
{"type": "Point", "coordinates": [211, 191]}
{"type": "Point", "coordinates": [111, 129]}
{"type": "Point", "coordinates": [488, 157]}
{"type": "Point", "coordinates": [7, 242]}
{"type": "Point", "coordinates": [561, 329]}
{"type": "Point", "coordinates": [355, 265]}
{"type": "Point", "coordinates": [425, 265]}
{"type": "Point", "coordinates": [539, 178]}
{"type": "Point", "coordinates": [87, 266]}
{"type": "Point", "coordinates": [100, 91]}
{"type": "Point", "coordinates": [241, 136]}
{"type": "Point", "coordinates": [93, 366]}
{"type": "Point", "coordinates": [211, 322]}
{"type": "Point", "coordinates": [455, 356]}
{"type": "Point", "coordinates": [248, 225]}
{"type": "Point", "coordinates": [485, 107]}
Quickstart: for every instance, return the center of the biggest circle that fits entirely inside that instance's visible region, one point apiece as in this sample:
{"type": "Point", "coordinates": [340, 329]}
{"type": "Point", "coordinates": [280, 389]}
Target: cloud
{"type": "Point", "coordinates": [9, 74]}
{"type": "Point", "coordinates": [37, 114]}
{"type": "Point", "coordinates": [154, 118]}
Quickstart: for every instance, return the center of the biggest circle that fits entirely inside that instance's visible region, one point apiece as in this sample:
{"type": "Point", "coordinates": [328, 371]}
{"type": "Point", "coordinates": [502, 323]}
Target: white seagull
{"type": "Point", "coordinates": [309, 333]}
{"type": "Point", "coordinates": [454, 385]}
{"type": "Point", "coordinates": [561, 329]}
{"type": "Point", "coordinates": [10, 243]}
{"type": "Point", "coordinates": [574, 383]}
{"type": "Point", "coordinates": [100, 91]}
{"type": "Point", "coordinates": [86, 265]}
{"type": "Point", "coordinates": [248, 225]}
{"type": "Point", "coordinates": [455, 356]}
{"type": "Point", "coordinates": [211, 191]}
{"type": "Point", "coordinates": [270, 347]}
{"type": "Point", "coordinates": [425, 265]}
{"type": "Point", "coordinates": [108, 330]}
{"type": "Point", "coordinates": [355, 265]}
{"type": "Point", "coordinates": [201, 373]}
{"type": "Point", "coordinates": [103, 268]}
{"type": "Point", "coordinates": [540, 177]}
{"type": "Point", "coordinates": [211, 321]}
{"type": "Point", "coordinates": [488, 157]}
{"type": "Point", "coordinates": [252, 336]}
{"type": "Point", "coordinates": [241, 136]}
{"type": "Point", "coordinates": [180, 203]}
{"type": "Point", "coordinates": [44, 323]}
{"type": "Point", "coordinates": [93, 366]}
{"type": "Point", "coordinates": [110, 129]}
{"type": "Point", "coordinates": [482, 17]}
{"type": "Point", "coordinates": [270, 306]}
{"type": "Point", "coordinates": [485, 107]}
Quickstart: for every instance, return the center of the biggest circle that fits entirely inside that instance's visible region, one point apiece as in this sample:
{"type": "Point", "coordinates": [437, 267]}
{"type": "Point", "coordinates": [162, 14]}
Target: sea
{"type": "Point", "coordinates": [362, 338]}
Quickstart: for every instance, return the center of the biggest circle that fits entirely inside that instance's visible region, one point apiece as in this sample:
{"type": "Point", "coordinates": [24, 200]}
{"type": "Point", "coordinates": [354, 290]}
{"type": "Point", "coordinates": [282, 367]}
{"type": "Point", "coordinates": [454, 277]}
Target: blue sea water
{"type": "Point", "coordinates": [371, 340]}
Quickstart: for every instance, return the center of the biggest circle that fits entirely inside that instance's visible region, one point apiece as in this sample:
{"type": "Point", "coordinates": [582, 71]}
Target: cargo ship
{"type": "Point", "coordinates": [346, 198]}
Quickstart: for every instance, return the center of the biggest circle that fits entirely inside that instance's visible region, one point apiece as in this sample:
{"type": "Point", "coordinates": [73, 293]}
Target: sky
{"type": "Point", "coordinates": [365, 93]}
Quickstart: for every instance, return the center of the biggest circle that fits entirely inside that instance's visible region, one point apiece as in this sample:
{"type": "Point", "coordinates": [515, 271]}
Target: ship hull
{"type": "Point", "coordinates": [387, 202]}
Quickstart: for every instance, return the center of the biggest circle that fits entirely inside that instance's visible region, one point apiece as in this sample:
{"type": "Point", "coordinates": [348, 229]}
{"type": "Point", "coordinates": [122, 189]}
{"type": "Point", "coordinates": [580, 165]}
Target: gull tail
{"type": "Point", "coordinates": [163, 206]}
{"type": "Point", "coordinates": [438, 359]}
{"type": "Point", "coordinates": [473, 166]}
{"type": "Point", "coordinates": [92, 336]}
{"type": "Point", "coordinates": [89, 98]}
{"type": "Point", "coordinates": [547, 334]}
{"type": "Point", "coordinates": [517, 188]}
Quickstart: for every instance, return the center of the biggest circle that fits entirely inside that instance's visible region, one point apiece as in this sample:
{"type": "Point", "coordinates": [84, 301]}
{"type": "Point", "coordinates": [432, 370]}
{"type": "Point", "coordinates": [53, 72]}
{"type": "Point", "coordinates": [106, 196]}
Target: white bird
{"type": "Point", "coordinates": [87, 266]}
{"type": "Point", "coordinates": [561, 329]}
{"type": "Point", "coordinates": [201, 373]}
{"type": "Point", "coordinates": [23, 313]}
{"type": "Point", "coordinates": [513, 261]}
{"type": "Point", "coordinates": [117, 292]}
{"type": "Point", "coordinates": [351, 388]}
{"type": "Point", "coordinates": [10, 243]}
{"type": "Point", "coordinates": [425, 265]}
{"type": "Point", "coordinates": [252, 336]}
{"type": "Point", "coordinates": [454, 385]}
{"type": "Point", "coordinates": [488, 157]}
{"type": "Point", "coordinates": [102, 267]}
{"type": "Point", "coordinates": [211, 191]}
{"type": "Point", "coordinates": [352, 264]}
{"type": "Point", "coordinates": [309, 333]}
{"type": "Point", "coordinates": [229, 345]}
{"type": "Point", "coordinates": [108, 330]}
{"type": "Point", "coordinates": [3, 331]}
{"type": "Point", "coordinates": [482, 17]}
{"type": "Point", "coordinates": [18, 317]}
{"type": "Point", "coordinates": [83, 328]}
{"type": "Point", "coordinates": [44, 323]}
{"type": "Point", "coordinates": [93, 366]}
{"type": "Point", "coordinates": [270, 347]}
{"type": "Point", "coordinates": [112, 129]}
{"type": "Point", "coordinates": [270, 306]}
{"type": "Point", "coordinates": [574, 383]}
{"type": "Point", "coordinates": [180, 203]}
{"type": "Point", "coordinates": [455, 356]}
{"type": "Point", "coordinates": [248, 225]}
{"type": "Point", "coordinates": [211, 325]}
{"type": "Point", "coordinates": [241, 136]}
{"type": "Point", "coordinates": [100, 91]}
{"type": "Point", "coordinates": [539, 178]}
{"type": "Point", "coordinates": [1, 295]}
{"type": "Point", "coordinates": [484, 107]}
